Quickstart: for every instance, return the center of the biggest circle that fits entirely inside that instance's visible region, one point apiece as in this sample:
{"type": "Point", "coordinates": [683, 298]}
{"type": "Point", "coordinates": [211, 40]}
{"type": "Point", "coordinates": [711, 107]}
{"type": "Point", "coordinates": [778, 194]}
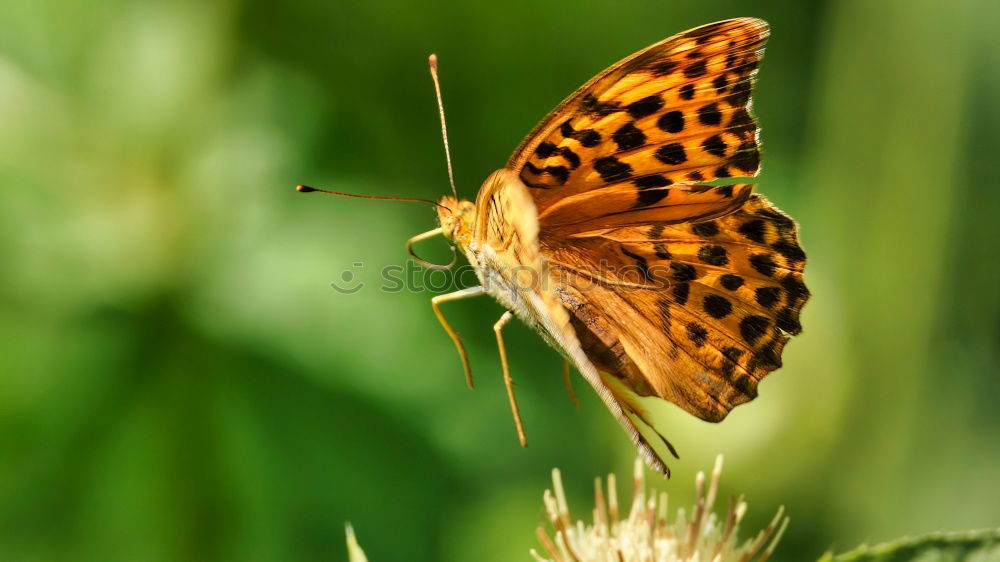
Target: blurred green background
{"type": "Point", "coordinates": [178, 381]}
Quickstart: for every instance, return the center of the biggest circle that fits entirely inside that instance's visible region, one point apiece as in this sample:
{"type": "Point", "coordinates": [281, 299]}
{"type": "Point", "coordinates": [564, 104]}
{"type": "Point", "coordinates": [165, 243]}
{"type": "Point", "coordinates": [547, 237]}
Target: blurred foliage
{"type": "Point", "coordinates": [971, 546]}
{"type": "Point", "coordinates": [178, 380]}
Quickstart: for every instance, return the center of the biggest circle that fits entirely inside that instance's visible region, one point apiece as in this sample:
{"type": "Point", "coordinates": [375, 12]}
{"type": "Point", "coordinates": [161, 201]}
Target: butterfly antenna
{"type": "Point", "coordinates": [308, 189]}
{"type": "Point", "coordinates": [444, 128]}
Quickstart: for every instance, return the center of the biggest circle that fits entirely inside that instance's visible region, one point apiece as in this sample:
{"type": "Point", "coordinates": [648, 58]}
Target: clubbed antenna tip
{"type": "Point", "coordinates": [433, 61]}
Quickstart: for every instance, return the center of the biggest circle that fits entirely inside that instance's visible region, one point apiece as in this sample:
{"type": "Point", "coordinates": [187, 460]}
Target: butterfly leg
{"type": "Point", "coordinates": [457, 295]}
{"type": "Point", "coordinates": [506, 376]}
{"type": "Point", "coordinates": [569, 385]}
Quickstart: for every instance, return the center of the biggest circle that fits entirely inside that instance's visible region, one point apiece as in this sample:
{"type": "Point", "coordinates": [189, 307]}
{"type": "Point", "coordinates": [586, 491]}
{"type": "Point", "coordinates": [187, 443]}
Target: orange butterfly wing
{"type": "Point", "coordinates": [725, 296]}
{"type": "Point", "coordinates": [615, 174]}
{"type": "Point", "coordinates": [676, 112]}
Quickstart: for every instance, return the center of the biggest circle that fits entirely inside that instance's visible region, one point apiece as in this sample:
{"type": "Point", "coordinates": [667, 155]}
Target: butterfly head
{"type": "Point", "coordinates": [457, 219]}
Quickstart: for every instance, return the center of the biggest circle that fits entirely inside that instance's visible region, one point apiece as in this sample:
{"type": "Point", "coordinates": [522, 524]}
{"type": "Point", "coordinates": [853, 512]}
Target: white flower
{"type": "Point", "coordinates": [354, 552]}
{"type": "Point", "coordinates": [645, 534]}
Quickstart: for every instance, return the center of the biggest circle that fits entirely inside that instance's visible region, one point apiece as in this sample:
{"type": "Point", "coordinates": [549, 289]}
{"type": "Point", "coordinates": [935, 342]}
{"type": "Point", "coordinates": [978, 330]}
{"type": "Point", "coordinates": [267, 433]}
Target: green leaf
{"type": "Point", "coordinates": [970, 546]}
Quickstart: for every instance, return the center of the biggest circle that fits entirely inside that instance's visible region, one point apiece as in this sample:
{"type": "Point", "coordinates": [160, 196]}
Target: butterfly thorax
{"type": "Point", "coordinates": [458, 220]}
{"type": "Point", "coordinates": [499, 276]}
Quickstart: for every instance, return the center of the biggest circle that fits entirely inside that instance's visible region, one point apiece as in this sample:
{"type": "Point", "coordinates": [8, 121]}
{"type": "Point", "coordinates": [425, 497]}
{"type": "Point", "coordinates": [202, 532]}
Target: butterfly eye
{"type": "Point", "coordinates": [423, 262]}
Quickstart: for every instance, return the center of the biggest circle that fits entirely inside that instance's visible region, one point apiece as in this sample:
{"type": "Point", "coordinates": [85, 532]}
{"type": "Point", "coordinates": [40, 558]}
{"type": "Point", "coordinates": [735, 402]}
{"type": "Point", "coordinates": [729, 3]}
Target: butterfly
{"type": "Point", "coordinates": [602, 234]}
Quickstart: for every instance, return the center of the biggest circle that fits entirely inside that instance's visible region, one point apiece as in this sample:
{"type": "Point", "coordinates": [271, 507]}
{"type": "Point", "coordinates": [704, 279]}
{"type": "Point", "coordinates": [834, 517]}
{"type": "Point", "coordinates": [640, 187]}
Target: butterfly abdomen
{"type": "Point", "coordinates": [499, 280]}
{"type": "Point", "coordinates": [603, 349]}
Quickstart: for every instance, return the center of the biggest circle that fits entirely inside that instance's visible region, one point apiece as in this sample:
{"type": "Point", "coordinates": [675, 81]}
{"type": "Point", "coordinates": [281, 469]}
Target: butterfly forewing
{"type": "Point", "coordinates": [676, 112]}
{"type": "Point", "coordinates": [593, 210]}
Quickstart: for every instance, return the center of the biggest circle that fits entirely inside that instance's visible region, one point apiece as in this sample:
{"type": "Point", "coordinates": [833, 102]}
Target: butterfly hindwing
{"type": "Point", "coordinates": [723, 298]}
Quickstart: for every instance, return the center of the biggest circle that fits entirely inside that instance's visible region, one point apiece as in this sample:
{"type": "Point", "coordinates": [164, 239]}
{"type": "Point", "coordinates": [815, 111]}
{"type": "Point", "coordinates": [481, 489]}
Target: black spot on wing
{"type": "Point", "coordinates": [650, 196]}
{"type": "Point", "coordinates": [705, 229]}
{"type": "Point", "coordinates": [767, 296]}
{"type": "Point", "coordinates": [720, 83]}
{"type": "Point", "coordinates": [590, 104]}
{"type": "Point", "coordinates": [680, 292]}
{"type": "Point", "coordinates": [644, 107]}
{"type": "Point", "coordinates": [731, 357]}
{"type": "Point", "coordinates": [661, 250]}
{"type": "Point", "coordinates": [560, 173]}
{"type": "Point", "coordinates": [663, 68]}
{"type": "Point", "coordinates": [769, 355]}
{"type": "Point", "coordinates": [545, 149]}
{"type": "Point", "coordinates": [571, 157]}
{"type": "Point", "coordinates": [628, 137]}
{"type": "Point", "coordinates": [671, 122]}
{"type": "Point", "coordinates": [792, 252]}
{"type": "Point", "coordinates": [713, 255]}
{"type": "Point", "coordinates": [715, 146]}
{"type": "Point", "coordinates": [651, 190]}
{"type": "Point", "coordinates": [740, 94]}
{"type": "Point", "coordinates": [754, 230]}
{"type": "Point", "coordinates": [697, 333]}
{"type": "Point", "coordinates": [654, 180]}
{"type": "Point", "coordinates": [747, 157]}
{"type": "Point", "coordinates": [766, 357]}
{"type": "Point", "coordinates": [744, 384]}
{"type": "Point", "coordinates": [747, 67]}
{"type": "Point", "coordinates": [741, 123]}
{"type": "Point", "coordinates": [788, 320]}
{"type": "Point", "coordinates": [731, 282]}
{"type": "Point", "coordinates": [717, 307]}
{"type": "Point", "coordinates": [566, 130]}
{"type": "Point", "coordinates": [783, 221]}
{"type": "Point", "coordinates": [710, 115]}
{"type": "Point", "coordinates": [671, 154]}
{"type": "Point", "coordinates": [763, 263]}
{"type": "Point", "coordinates": [532, 169]}
{"type": "Point", "coordinates": [612, 169]}
{"type": "Point", "coordinates": [752, 328]}
{"type": "Point", "coordinates": [683, 271]}
{"type": "Point", "coordinates": [686, 92]}
{"type": "Point", "coordinates": [696, 69]}
{"type": "Point", "coordinates": [588, 138]}
{"type": "Point", "coordinates": [794, 288]}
